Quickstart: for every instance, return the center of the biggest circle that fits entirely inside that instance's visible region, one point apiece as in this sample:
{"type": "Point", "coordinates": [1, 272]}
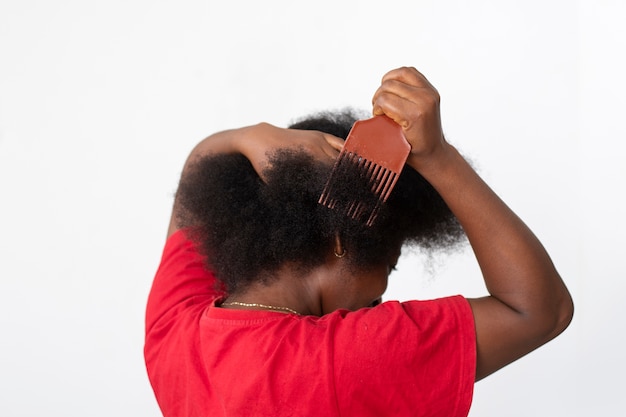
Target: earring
{"type": "Point", "coordinates": [339, 246]}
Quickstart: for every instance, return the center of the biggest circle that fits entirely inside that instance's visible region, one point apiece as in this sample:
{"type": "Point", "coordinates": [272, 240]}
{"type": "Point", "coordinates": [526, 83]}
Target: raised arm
{"type": "Point", "coordinates": [256, 143]}
{"type": "Point", "coordinates": [528, 303]}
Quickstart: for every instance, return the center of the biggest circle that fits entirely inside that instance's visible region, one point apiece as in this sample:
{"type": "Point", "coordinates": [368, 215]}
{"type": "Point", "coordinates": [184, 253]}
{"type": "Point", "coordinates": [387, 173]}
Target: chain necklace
{"type": "Point", "coordinates": [237, 303]}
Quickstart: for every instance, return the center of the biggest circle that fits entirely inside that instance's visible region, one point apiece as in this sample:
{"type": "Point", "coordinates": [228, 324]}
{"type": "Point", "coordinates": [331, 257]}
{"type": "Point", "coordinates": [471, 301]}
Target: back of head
{"type": "Point", "coordinates": [249, 229]}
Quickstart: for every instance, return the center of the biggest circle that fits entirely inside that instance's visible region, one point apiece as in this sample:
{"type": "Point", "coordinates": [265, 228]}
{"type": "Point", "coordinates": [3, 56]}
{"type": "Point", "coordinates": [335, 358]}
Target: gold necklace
{"type": "Point", "coordinates": [237, 303]}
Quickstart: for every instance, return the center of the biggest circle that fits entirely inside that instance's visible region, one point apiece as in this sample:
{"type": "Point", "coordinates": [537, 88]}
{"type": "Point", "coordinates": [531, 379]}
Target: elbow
{"type": "Point", "coordinates": [558, 316]}
{"type": "Point", "coordinates": [547, 313]}
{"type": "Point", "coordinates": [565, 315]}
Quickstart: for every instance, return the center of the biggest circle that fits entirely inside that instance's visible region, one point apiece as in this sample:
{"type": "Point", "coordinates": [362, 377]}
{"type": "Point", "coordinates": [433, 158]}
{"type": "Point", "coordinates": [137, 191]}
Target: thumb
{"type": "Point", "coordinates": [335, 142]}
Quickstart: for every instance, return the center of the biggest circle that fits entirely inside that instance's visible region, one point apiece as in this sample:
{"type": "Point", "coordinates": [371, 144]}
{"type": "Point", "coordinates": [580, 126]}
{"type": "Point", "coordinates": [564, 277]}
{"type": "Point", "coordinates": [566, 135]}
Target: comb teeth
{"type": "Point", "coordinates": [371, 161]}
{"type": "Point", "coordinates": [363, 206]}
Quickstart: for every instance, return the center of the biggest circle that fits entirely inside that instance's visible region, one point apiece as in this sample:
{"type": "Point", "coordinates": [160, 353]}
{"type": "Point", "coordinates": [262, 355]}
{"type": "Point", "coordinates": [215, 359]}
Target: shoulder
{"type": "Point", "coordinates": [183, 279]}
{"type": "Point", "coordinates": [393, 320]}
{"type": "Point", "coordinates": [414, 354]}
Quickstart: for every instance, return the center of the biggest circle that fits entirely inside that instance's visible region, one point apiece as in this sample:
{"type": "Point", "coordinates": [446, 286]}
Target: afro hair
{"type": "Point", "coordinates": [248, 228]}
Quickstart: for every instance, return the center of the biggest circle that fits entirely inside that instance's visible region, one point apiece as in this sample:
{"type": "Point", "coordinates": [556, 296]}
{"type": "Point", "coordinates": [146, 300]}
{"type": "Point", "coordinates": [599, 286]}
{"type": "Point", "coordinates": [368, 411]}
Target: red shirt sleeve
{"type": "Point", "coordinates": [182, 282]}
{"type": "Point", "coordinates": [406, 358]}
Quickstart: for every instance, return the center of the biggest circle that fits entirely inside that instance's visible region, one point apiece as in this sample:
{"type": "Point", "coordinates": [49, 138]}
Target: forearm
{"type": "Point", "coordinates": [258, 143]}
{"type": "Point", "coordinates": [224, 142]}
{"type": "Point", "coordinates": [515, 266]}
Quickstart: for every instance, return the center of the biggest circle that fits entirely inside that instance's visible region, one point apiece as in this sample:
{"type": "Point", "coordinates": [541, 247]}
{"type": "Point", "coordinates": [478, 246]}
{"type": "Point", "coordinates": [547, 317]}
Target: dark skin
{"type": "Point", "coordinates": [528, 303]}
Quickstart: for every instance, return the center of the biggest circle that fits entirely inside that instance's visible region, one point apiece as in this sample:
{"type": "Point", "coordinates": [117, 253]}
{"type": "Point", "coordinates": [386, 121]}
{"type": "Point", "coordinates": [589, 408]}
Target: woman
{"type": "Point", "coordinates": [293, 325]}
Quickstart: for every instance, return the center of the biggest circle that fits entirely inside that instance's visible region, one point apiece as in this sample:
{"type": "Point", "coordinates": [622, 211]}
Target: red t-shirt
{"type": "Point", "coordinates": [416, 358]}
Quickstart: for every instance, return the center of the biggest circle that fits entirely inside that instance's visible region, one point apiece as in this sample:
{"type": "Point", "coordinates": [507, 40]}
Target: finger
{"type": "Point", "coordinates": [403, 102]}
{"type": "Point", "coordinates": [320, 145]}
{"type": "Point", "coordinates": [407, 111]}
{"type": "Point", "coordinates": [396, 108]}
{"type": "Point", "coordinates": [335, 142]}
{"type": "Point", "coordinates": [407, 83]}
{"type": "Point", "coordinates": [394, 99]}
{"type": "Point", "coordinates": [410, 92]}
{"type": "Point", "coordinates": [408, 75]}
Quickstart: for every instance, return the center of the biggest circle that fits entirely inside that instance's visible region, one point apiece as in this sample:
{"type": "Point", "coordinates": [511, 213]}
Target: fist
{"type": "Point", "coordinates": [407, 97]}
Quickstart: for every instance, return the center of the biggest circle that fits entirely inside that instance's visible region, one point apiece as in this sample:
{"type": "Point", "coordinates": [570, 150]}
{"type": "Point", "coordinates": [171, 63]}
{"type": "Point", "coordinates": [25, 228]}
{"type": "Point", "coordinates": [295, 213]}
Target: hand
{"type": "Point", "coordinates": [260, 141]}
{"type": "Point", "coordinates": [407, 97]}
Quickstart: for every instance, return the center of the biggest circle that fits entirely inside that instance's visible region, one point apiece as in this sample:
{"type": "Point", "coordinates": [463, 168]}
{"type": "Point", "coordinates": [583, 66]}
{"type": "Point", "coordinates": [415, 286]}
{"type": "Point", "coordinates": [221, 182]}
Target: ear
{"type": "Point", "coordinates": [340, 251]}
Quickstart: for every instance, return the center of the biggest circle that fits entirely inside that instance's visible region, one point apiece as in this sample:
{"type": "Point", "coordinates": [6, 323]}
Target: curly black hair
{"type": "Point", "coordinates": [248, 228]}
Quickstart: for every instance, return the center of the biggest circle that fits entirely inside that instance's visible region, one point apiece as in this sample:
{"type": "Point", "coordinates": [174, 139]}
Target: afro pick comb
{"type": "Point", "coordinates": [375, 150]}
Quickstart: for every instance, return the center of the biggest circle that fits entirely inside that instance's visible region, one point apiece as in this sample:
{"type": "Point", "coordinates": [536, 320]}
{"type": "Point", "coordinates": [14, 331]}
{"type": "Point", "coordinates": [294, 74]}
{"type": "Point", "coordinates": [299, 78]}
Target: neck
{"type": "Point", "coordinates": [283, 293]}
{"type": "Point", "coordinates": [290, 289]}
{"type": "Point", "coordinates": [263, 306]}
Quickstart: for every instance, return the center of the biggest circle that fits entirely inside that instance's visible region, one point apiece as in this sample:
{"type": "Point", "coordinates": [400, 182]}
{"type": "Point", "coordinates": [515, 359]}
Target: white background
{"type": "Point", "coordinates": [101, 101]}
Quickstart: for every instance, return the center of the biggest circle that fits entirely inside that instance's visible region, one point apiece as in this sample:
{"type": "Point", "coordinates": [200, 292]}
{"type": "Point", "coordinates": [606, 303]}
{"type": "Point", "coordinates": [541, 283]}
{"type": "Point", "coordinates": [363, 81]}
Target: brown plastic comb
{"type": "Point", "coordinates": [377, 150]}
